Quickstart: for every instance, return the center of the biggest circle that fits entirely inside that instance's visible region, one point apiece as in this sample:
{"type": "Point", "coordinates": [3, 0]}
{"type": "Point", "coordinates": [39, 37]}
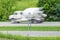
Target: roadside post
{"type": "Point", "coordinates": [29, 26]}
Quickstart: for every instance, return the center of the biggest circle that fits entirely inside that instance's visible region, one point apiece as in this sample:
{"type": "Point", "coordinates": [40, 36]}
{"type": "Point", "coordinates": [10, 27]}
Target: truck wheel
{"type": "Point", "coordinates": [33, 21]}
{"type": "Point", "coordinates": [12, 20]}
{"type": "Point", "coordinates": [17, 22]}
{"type": "Point", "coordinates": [39, 21]}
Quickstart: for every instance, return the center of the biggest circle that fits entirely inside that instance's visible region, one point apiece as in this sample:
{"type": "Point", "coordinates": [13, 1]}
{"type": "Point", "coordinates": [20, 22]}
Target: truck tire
{"type": "Point", "coordinates": [33, 21]}
{"type": "Point", "coordinates": [17, 22]}
{"type": "Point", "coordinates": [40, 21]}
{"type": "Point", "coordinates": [12, 20]}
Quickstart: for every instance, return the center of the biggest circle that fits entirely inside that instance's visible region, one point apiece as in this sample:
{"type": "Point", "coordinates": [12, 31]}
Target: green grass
{"type": "Point", "coordinates": [34, 28]}
{"type": "Point", "coordinates": [5, 39]}
{"type": "Point", "coordinates": [23, 4]}
{"type": "Point", "coordinates": [16, 37]}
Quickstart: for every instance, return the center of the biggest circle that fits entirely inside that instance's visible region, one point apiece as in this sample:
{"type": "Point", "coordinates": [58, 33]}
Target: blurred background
{"type": "Point", "coordinates": [50, 7]}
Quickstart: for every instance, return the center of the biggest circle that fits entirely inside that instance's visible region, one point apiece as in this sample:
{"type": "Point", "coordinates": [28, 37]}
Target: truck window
{"type": "Point", "coordinates": [15, 13]}
{"type": "Point", "coordinates": [21, 13]}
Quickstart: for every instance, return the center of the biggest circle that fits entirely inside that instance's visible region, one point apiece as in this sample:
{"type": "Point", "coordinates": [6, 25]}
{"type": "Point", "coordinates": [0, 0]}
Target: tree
{"type": "Point", "coordinates": [6, 8]}
{"type": "Point", "coordinates": [52, 9]}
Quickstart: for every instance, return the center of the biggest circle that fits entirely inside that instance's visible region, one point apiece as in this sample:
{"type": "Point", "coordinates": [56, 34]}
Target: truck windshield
{"type": "Point", "coordinates": [21, 13]}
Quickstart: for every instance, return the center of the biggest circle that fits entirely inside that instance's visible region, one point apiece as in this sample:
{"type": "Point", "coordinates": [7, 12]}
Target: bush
{"type": "Point", "coordinates": [51, 8]}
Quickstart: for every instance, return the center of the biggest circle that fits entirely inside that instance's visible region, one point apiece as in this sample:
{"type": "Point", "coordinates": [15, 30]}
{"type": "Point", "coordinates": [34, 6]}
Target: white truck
{"type": "Point", "coordinates": [34, 15]}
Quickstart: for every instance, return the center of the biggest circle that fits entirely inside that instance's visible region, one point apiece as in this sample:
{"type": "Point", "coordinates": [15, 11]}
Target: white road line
{"type": "Point", "coordinates": [34, 33]}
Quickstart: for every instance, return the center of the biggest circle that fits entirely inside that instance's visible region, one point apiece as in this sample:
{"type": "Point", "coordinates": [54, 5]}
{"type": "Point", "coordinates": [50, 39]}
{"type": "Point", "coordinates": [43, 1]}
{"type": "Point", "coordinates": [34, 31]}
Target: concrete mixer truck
{"type": "Point", "coordinates": [34, 15]}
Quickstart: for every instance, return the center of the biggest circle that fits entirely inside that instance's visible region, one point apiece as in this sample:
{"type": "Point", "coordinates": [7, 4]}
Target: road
{"type": "Point", "coordinates": [26, 24]}
{"type": "Point", "coordinates": [34, 33]}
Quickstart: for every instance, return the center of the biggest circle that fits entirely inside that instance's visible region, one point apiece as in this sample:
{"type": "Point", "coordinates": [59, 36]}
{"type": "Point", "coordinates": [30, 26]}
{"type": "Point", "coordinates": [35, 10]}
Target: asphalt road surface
{"type": "Point", "coordinates": [26, 24]}
{"type": "Point", "coordinates": [34, 33]}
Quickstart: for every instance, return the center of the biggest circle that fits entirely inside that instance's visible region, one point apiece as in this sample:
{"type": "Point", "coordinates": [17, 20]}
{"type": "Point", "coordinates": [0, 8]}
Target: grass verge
{"type": "Point", "coordinates": [16, 37]}
{"type": "Point", "coordinates": [34, 28]}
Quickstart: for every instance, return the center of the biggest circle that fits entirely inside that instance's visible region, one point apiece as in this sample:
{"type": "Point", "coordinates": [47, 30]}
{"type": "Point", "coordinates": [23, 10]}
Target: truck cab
{"type": "Point", "coordinates": [17, 17]}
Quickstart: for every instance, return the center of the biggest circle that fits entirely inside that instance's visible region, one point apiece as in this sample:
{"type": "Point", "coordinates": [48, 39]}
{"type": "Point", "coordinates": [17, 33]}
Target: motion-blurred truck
{"type": "Point", "coordinates": [34, 15]}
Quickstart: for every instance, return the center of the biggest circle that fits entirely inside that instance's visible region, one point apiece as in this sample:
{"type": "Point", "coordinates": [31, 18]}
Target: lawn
{"type": "Point", "coordinates": [16, 37]}
{"type": "Point", "coordinates": [5, 39]}
{"type": "Point", "coordinates": [34, 28]}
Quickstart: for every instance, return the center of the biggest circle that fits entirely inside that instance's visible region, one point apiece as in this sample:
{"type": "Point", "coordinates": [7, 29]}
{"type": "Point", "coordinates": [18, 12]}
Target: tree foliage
{"type": "Point", "coordinates": [52, 9]}
{"type": "Point", "coordinates": [6, 8]}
